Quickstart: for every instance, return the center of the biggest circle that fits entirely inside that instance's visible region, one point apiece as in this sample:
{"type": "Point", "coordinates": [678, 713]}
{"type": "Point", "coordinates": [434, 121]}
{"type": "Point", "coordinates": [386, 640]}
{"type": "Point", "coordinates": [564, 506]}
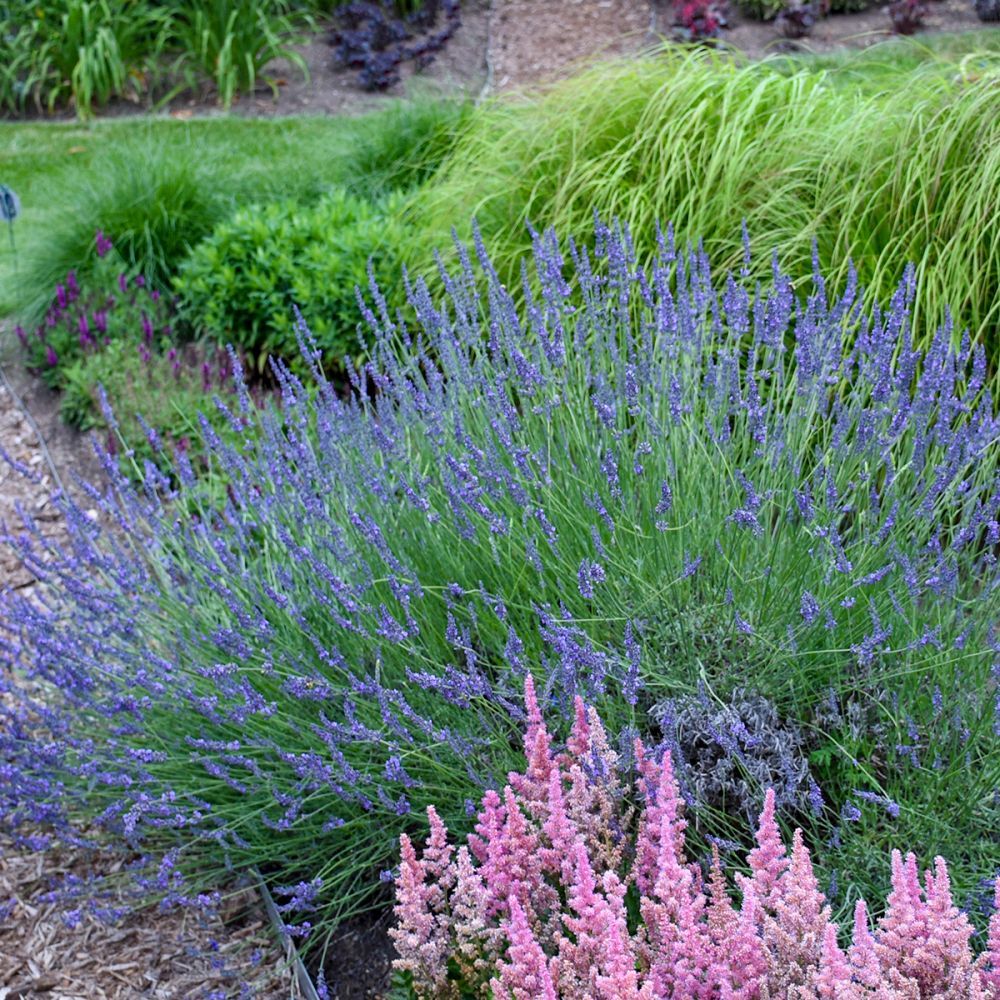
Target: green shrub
{"type": "Point", "coordinates": [907, 174]}
{"type": "Point", "coordinates": [243, 283]}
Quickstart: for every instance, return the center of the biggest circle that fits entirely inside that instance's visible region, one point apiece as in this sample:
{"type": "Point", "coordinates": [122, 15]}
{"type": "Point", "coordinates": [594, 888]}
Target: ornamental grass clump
{"type": "Point", "coordinates": [576, 884]}
{"type": "Point", "coordinates": [648, 479]}
{"type": "Point", "coordinates": [906, 172]}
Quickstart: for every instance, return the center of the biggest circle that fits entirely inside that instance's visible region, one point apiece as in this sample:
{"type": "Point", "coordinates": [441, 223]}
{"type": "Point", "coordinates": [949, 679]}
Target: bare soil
{"type": "Point", "coordinates": [534, 41]}
{"type": "Point", "coordinates": [838, 31]}
{"type": "Point", "coordinates": [357, 962]}
{"type": "Point", "coordinates": [539, 41]}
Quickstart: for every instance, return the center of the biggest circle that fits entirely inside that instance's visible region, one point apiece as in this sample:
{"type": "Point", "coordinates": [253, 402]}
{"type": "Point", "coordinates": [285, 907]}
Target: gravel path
{"type": "Point", "coordinates": [163, 955]}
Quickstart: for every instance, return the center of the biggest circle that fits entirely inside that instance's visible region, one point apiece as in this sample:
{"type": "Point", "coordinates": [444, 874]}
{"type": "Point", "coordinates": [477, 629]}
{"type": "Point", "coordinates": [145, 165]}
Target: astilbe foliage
{"type": "Point", "coordinates": [283, 673]}
{"type": "Point", "coordinates": [557, 896]}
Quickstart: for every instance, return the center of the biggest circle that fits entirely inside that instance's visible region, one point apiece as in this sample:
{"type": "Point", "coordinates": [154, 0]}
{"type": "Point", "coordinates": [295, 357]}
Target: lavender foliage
{"type": "Point", "coordinates": [286, 677]}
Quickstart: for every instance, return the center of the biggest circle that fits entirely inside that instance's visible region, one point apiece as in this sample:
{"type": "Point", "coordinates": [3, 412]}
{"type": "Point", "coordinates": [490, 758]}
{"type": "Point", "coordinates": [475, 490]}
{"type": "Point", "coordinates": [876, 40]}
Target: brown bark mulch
{"type": "Point", "coordinates": [150, 953]}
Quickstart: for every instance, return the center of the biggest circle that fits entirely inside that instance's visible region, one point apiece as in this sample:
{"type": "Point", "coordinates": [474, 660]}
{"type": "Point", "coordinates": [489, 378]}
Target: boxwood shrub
{"type": "Point", "coordinates": [242, 284]}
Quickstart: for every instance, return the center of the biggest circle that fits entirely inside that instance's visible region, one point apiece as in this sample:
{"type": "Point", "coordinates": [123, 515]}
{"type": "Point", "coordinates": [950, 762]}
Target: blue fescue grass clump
{"type": "Point", "coordinates": [644, 484]}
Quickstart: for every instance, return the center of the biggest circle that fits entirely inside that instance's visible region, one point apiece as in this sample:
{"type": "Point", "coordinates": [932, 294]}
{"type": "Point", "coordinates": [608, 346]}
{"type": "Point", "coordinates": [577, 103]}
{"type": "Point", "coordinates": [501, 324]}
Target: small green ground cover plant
{"type": "Point", "coordinates": [643, 483]}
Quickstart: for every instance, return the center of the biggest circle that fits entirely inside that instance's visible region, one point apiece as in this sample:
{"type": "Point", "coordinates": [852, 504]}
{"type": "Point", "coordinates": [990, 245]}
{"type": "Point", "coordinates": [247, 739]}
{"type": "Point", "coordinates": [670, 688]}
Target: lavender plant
{"type": "Point", "coordinates": [286, 678]}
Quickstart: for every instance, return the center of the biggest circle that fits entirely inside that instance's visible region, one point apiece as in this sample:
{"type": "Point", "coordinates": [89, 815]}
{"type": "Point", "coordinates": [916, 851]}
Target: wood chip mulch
{"type": "Point", "coordinates": [162, 955]}
{"type": "Point", "coordinates": [172, 955]}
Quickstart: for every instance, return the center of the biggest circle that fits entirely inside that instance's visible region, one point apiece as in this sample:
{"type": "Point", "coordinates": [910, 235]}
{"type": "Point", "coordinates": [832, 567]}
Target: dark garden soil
{"type": "Point", "coordinates": [357, 962]}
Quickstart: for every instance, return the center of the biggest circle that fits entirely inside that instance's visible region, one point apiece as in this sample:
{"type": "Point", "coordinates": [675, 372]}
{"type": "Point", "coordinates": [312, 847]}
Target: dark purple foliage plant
{"type": "Point", "coordinates": [797, 19]}
{"type": "Point", "coordinates": [376, 38]}
{"type": "Point", "coordinates": [907, 16]}
{"type": "Point", "coordinates": [282, 678]}
{"type": "Point", "coordinates": [699, 20]}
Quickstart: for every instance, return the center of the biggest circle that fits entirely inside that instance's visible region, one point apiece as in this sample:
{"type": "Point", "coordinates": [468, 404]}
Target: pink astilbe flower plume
{"type": "Point", "coordinates": [593, 801]}
{"type": "Point", "coordinates": [525, 975]}
{"type": "Point", "coordinates": [436, 861]}
{"type": "Point", "coordinates": [581, 954]}
{"type": "Point", "coordinates": [862, 954]}
{"type": "Point", "coordinates": [722, 917]}
{"type": "Point", "coordinates": [489, 825]}
{"type": "Point", "coordinates": [533, 785]}
{"type": "Point", "coordinates": [902, 931]}
{"type": "Point", "coordinates": [741, 961]}
{"type": "Point", "coordinates": [579, 741]}
{"type": "Point", "coordinates": [663, 801]}
{"type": "Point", "coordinates": [834, 979]}
{"type": "Point", "coordinates": [513, 867]}
{"type": "Point", "coordinates": [947, 960]}
{"type": "Point", "coordinates": [793, 933]}
{"type": "Point", "coordinates": [560, 833]}
{"type": "Point", "coordinates": [421, 939]}
{"type": "Point", "coordinates": [673, 918]}
{"type": "Point", "coordinates": [478, 942]}
{"type": "Point", "coordinates": [768, 860]}
{"type": "Point", "coordinates": [541, 902]}
{"type": "Point", "coordinates": [618, 979]}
